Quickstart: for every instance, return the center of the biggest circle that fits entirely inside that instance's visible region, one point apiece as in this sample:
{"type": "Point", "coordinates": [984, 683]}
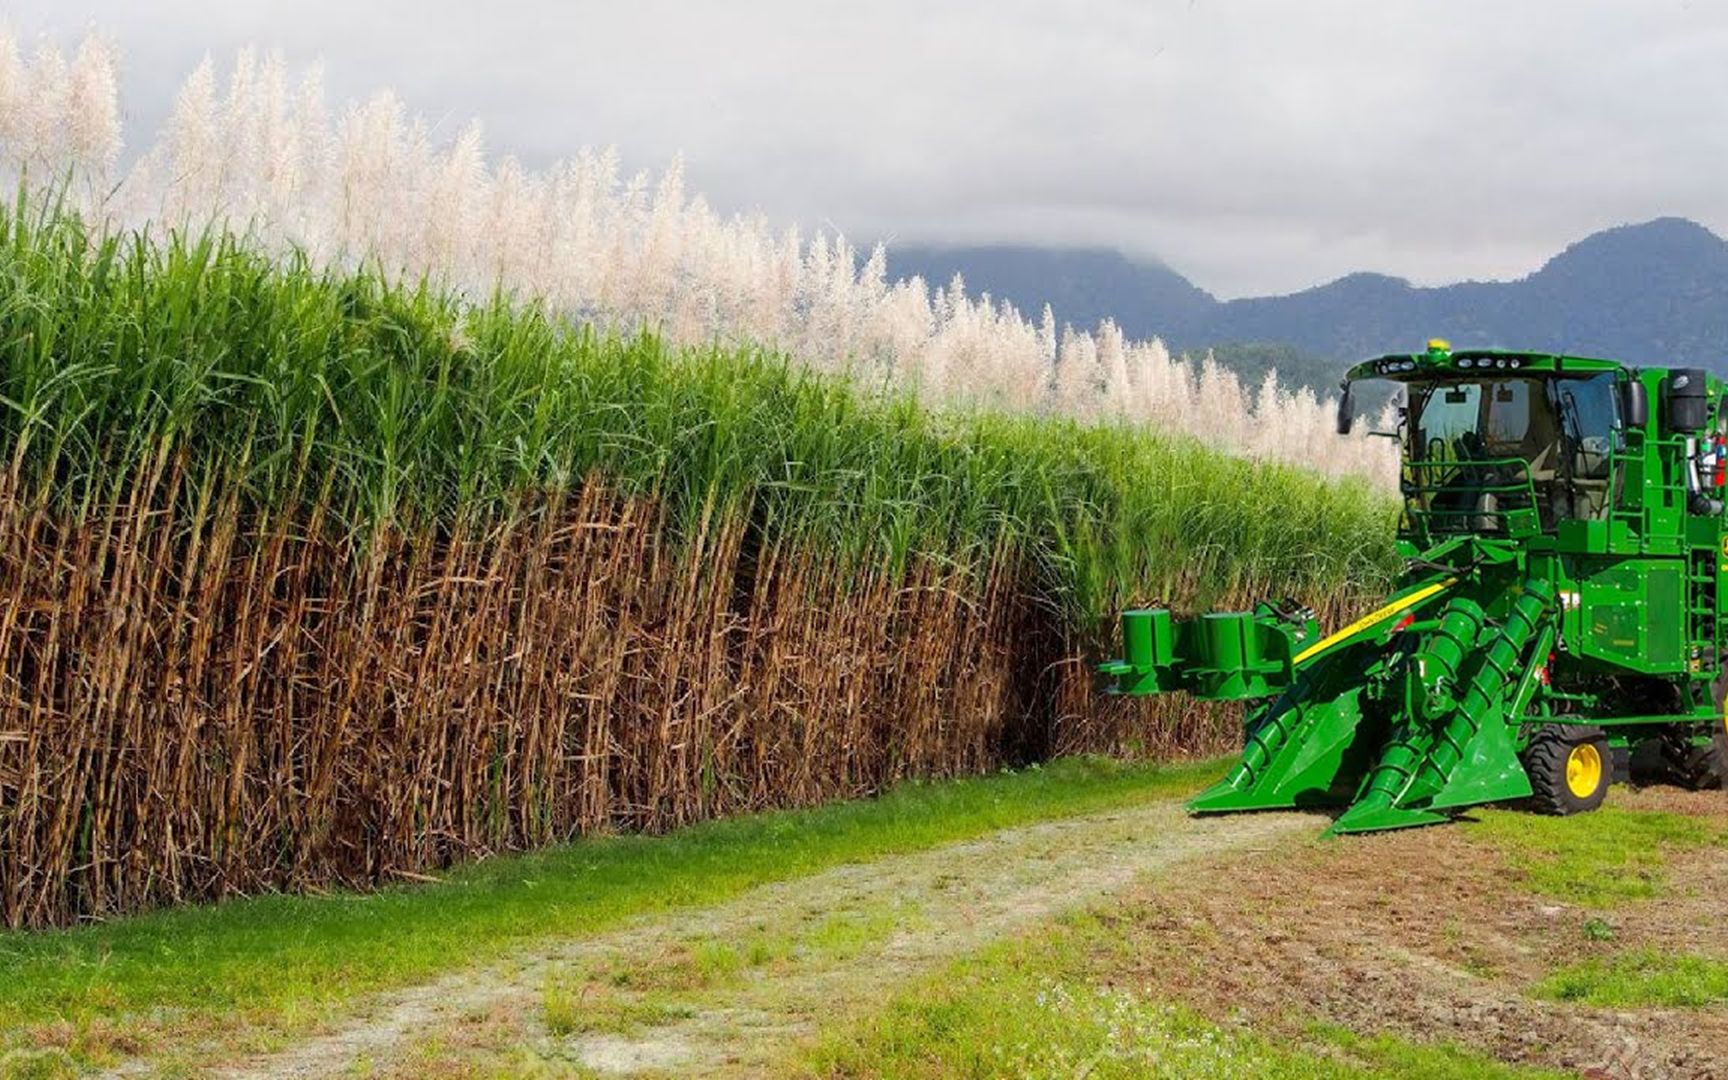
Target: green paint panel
{"type": "Point", "coordinates": [1614, 615]}
{"type": "Point", "coordinates": [1634, 614]}
{"type": "Point", "coordinates": [1665, 626]}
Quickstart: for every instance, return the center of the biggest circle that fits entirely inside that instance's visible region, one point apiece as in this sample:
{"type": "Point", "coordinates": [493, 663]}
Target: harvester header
{"type": "Point", "coordinates": [1560, 618]}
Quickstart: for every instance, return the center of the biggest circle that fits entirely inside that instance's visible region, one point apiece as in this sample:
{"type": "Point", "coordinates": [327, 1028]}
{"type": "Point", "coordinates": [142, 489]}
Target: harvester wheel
{"type": "Point", "coordinates": [1713, 769]}
{"type": "Point", "coordinates": [1707, 766]}
{"type": "Point", "coordinates": [1721, 744]}
{"type": "Point", "coordinates": [1701, 768]}
{"type": "Point", "coordinates": [1570, 768]}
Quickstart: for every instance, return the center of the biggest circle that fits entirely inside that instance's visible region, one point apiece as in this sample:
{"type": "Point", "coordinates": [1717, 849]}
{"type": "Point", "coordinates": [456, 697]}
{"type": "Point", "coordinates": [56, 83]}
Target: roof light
{"type": "Point", "coordinates": [1500, 363]}
{"type": "Point", "coordinates": [1516, 363]}
{"type": "Point", "coordinates": [1466, 362]}
{"type": "Point", "coordinates": [1439, 345]}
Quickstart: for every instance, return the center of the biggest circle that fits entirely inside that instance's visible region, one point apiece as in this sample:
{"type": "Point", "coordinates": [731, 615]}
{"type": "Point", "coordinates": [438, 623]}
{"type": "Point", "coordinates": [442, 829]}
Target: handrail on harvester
{"type": "Point", "coordinates": [1494, 496]}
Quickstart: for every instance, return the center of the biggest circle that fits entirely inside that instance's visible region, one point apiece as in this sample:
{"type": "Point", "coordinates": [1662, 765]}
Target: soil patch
{"type": "Point", "coordinates": [1428, 934]}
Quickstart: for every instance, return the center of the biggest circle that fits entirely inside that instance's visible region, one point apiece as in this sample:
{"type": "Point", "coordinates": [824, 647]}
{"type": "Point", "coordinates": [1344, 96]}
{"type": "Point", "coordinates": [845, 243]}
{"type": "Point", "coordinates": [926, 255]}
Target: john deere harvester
{"type": "Point", "coordinates": [1560, 617]}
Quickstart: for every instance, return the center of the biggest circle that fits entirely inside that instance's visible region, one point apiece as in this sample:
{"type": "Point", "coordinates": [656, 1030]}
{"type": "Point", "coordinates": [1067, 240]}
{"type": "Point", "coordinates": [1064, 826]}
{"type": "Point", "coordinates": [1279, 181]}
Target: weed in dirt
{"type": "Point", "coordinates": [625, 994]}
{"type": "Point", "coordinates": [719, 962]}
{"type": "Point", "coordinates": [561, 1009]}
{"type": "Point", "coordinates": [94, 1041]}
{"type": "Point", "coordinates": [1597, 860]}
{"type": "Point", "coordinates": [845, 934]}
{"type": "Point", "coordinates": [1598, 930]}
{"type": "Point", "coordinates": [700, 964]}
{"type": "Point", "coordinates": [1641, 978]}
{"type": "Point", "coordinates": [584, 1008]}
{"type": "Point", "coordinates": [1027, 1026]}
{"type": "Point", "coordinates": [525, 1064]}
{"type": "Point", "coordinates": [360, 1068]}
{"type": "Point", "coordinates": [763, 948]}
{"type": "Point", "coordinates": [433, 1058]}
{"type": "Point", "coordinates": [38, 1065]}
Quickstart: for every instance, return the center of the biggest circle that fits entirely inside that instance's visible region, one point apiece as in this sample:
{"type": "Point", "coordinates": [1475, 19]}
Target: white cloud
{"type": "Point", "coordinates": [1256, 145]}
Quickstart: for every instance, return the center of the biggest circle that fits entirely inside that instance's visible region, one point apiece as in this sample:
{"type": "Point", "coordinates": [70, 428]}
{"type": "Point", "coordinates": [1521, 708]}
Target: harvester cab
{"type": "Point", "coordinates": [1560, 615]}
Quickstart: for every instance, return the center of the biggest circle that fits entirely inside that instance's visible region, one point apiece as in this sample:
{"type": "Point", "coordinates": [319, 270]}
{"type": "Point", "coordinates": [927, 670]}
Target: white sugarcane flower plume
{"type": "Point", "coordinates": [265, 155]}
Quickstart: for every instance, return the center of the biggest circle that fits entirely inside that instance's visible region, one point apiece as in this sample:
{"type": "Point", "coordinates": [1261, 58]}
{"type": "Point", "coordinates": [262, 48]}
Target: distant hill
{"type": "Point", "coordinates": [1083, 285]}
{"type": "Point", "coordinates": [1251, 360]}
{"type": "Point", "coordinates": [1653, 293]}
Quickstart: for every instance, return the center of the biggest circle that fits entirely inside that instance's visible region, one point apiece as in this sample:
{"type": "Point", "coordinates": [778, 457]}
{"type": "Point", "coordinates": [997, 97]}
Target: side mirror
{"type": "Point", "coordinates": [1635, 404]}
{"type": "Point", "coordinates": [1346, 409]}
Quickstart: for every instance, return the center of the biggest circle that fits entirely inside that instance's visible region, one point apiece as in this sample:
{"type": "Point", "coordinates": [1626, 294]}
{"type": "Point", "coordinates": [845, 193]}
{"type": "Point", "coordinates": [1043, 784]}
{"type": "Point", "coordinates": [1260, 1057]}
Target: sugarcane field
{"type": "Point", "coordinates": [1176, 540]}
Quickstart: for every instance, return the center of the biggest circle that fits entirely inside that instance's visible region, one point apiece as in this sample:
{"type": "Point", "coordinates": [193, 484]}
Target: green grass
{"type": "Point", "coordinates": [568, 1010]}
{"type": "Point", "coordinates": [1641, 978]}
{"type": "Point", "coordinates": [844, 935]}
{"type": "Point", "coordinates": [282, 957]}
{"type": "Point", "coordinates": [1390, 1056]}
{"type": "Point", "coordinates": [1598, 859]}
{"type": "Point", "coordinates": [1046, 1006]}
{"type": "Point", "coordinates": [700, 964]}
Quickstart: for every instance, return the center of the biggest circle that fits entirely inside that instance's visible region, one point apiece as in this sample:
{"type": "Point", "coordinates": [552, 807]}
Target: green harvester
{"type": "Point", "coordinates": [1559, 624]}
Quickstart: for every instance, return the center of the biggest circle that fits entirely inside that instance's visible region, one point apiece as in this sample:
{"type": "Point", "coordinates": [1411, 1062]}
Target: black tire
{"type": "Point", "coordinates": [1653, 761]}
{"type": "Point", "coordinates": [1706, 767]}
{"type": "Point", "coordinates": [1721, 744]}
{"type": "Point", "coordinates": [1570, 768]}
{"type": "Point", "coordinates": [1672, 755]}
{"type": "Point", "coordinates": [1700, 768]}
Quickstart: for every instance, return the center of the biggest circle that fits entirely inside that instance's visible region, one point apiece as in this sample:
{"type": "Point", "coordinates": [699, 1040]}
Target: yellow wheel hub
{"type": "Point", "coordinates": [1584, 770]}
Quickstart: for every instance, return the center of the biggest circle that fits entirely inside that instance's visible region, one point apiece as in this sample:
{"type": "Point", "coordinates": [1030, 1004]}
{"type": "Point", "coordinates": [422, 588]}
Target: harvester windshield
{"type": "Point", "coordinates": [1508, 452]}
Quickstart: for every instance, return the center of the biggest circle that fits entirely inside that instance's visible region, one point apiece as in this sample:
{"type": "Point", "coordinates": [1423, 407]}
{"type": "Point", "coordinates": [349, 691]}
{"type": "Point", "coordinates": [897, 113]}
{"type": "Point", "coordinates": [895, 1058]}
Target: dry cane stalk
{"type": "Point", "coordinates": [197, 703]}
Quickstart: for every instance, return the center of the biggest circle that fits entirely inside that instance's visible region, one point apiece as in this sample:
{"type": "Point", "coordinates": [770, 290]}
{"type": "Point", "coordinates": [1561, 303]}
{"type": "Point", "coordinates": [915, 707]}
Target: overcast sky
{"type": "Point", "coordinates": [1257, 146]}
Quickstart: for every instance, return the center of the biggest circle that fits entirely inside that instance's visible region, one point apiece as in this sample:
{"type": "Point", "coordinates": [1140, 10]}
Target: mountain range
{"type": "Point", "coordinates": [1646, 294]}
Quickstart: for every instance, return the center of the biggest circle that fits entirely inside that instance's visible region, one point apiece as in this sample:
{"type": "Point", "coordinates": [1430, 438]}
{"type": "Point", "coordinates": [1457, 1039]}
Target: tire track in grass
{"type": "Point", "coordinates": [727, 987]}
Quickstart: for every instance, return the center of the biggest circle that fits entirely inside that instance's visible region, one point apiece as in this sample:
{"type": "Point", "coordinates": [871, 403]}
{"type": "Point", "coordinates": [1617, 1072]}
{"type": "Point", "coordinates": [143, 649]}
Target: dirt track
{"type": "Point", "coordinates": [837, 940]}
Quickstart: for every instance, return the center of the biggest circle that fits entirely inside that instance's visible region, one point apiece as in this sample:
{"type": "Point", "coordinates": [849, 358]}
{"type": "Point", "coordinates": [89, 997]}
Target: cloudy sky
{"type": "Point", "coordinates": [1256, 145]}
